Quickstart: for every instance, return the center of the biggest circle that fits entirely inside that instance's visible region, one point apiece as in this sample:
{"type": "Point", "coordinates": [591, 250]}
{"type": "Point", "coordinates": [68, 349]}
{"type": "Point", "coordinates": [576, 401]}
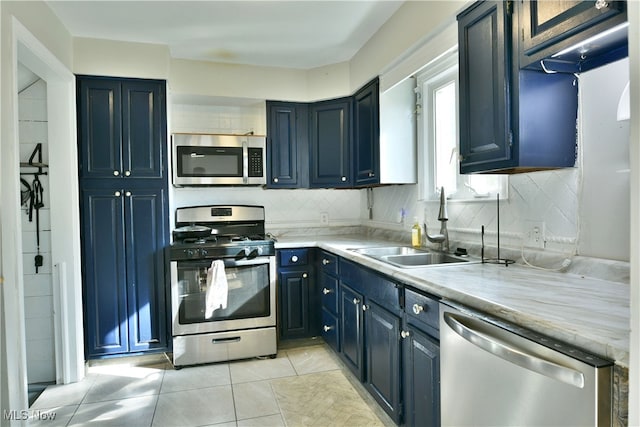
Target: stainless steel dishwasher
{"type": "Point", "coordinates": [494, 373]}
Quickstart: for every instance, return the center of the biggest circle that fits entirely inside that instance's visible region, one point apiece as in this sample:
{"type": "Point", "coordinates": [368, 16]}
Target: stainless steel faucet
{"type": "Point", "coordinates": [443, 237]}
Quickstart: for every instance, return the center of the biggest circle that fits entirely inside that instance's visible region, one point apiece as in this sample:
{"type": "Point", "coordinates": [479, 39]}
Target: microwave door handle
{"type": "Point", "coordinates": [245, 162]}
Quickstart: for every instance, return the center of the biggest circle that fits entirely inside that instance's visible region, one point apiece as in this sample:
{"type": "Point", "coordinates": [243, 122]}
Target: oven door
{"type": "Point", "coordinates": [251, 297]}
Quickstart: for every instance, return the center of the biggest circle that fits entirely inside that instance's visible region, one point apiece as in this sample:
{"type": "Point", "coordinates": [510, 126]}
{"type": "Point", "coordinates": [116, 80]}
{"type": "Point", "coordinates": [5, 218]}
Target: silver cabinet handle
{"type": "Point", "coordinates": [487, 339]}
{"type": "Point", "coordinates": [116, 173]}
{"type": "Point", "coordinates": [404, 334]}
{"type": "Point", "coordinates": [417, 309]}
{"type": "Point", "coordinates": [128, 194]}
{"type": "Point", "coordinates": [294, 258]}
{"type": "Point", "coordinates": [365, 307]}
{"type": "Point", "coordinates": [326, 291]}
{"type": "Point", "coordinates": [356, 301]}
{"type": "Point", "coordinates": [305, 275]}
{"type": "Point", "coordinates": [117, 194]}
{"type": "Point", "coordinates": [275, 180]}
{"type": "Point", "coordinates": [327, 328]}
{"type": "Point", "coordinates": [371, 174]}
{"type": "Point", "coordinates": [344, 179]}
{"type": "Point", "coordinates": [325, 261]}
{"type": "Point", "coordinates": [601, 4]}
{"type": "Point", "coordinates": [127, 173]}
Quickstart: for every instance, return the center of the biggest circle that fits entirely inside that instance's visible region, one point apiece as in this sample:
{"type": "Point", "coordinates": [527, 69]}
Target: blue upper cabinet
{"type": "Point", "coordinates": [551, 26]}
{"type": "Point", "coordinates": [144, 128]}
{"type": "Point", "coordinates": [122, 128]}
{"type": "Point", "coordinates": [484, 63]}
{"type": "Point", "coordinates": [287, 138]}
{"type": "Point", "coordinates": [511, 120]}
{"type": "Point", "coordinates": [330, 138]}
{"type": "Point", "coordinates": [100, 127]}
{"type": "Point", "coordinates": [366, 138]}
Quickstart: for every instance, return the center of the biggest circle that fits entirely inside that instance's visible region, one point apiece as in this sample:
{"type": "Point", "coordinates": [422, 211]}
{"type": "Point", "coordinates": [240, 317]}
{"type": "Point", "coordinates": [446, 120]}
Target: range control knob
{"type": "Point", "coordinates": [204, 252]}
{"type": "Point", "coordinates": [190, 253]}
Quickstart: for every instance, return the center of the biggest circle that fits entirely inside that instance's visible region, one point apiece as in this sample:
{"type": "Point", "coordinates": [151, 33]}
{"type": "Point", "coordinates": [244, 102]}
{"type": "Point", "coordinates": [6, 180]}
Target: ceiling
{"type": "Point", "coordinates": [299, 34]}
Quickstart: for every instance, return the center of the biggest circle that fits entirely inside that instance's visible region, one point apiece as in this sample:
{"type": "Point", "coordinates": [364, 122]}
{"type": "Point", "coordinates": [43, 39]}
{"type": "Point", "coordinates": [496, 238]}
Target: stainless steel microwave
{"type": "Point", "coordinates": [200, 159]}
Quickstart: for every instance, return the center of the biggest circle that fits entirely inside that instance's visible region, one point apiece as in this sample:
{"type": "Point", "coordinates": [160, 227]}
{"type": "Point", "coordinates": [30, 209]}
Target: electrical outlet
{"type": "Point", "coordinates": [534, 236]}
{"type": "Point", "coordinates": [324, 218]}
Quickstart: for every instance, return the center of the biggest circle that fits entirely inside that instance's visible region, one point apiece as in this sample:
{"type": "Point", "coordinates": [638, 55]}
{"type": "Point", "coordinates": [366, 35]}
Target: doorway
{"type": "Point", "coordinates": [36, 231]}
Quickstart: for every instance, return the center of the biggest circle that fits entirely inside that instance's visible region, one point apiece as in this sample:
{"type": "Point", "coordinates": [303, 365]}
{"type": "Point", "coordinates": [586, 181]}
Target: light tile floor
{"type": "Point", "coordinates": [303, 386]}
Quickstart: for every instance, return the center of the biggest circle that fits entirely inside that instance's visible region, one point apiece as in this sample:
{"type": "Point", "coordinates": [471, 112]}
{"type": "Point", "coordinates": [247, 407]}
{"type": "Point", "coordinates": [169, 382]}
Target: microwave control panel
{"type": "Point", "coordinates": [256, 168]}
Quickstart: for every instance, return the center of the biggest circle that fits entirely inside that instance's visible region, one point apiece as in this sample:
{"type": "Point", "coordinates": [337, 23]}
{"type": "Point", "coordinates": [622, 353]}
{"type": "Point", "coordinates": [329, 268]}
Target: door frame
{"type": "Point", "coordinates": [64, 212]}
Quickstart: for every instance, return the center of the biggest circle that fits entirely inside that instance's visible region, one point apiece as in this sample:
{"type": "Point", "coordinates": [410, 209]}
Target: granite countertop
{"type": "Point", "coordinates": [590, 313]}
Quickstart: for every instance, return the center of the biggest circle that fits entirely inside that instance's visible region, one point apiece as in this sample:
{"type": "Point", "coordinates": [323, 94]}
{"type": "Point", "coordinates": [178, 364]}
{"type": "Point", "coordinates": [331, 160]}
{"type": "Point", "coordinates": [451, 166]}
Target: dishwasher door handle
{"type": "Point", "coordinates": [484, 340]}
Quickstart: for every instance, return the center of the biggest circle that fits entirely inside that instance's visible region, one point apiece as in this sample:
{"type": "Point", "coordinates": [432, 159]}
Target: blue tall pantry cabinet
{"type": "Point", "coordinates": [124, 214]}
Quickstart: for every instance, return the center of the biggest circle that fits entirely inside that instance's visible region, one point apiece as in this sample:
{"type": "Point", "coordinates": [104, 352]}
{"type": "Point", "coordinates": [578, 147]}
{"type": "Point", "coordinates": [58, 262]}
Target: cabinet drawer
{"type": "Point", "coordinates": [293, 257]}
{"type": "Point", "coordinates": [329, 263]}
{"type": "Point", "coordinates": [421, 308]}
{"type": "Point", "coordinates": [329, 292]}
{"type": "Point", "coordinates": [372, 285]}
{"type": "Point", "coordinates": [329, 329]}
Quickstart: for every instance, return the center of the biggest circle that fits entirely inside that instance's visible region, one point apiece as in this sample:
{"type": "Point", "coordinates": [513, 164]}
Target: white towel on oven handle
{"type": "Point", "coordinates": [217, 288]}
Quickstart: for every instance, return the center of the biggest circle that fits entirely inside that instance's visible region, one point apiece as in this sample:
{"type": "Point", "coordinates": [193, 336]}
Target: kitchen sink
{"type": "Point", "coordinates": [409, 257]}
{"type": "Point", "coordinates": [420, 260]}
{"type": "Point", "coordinates": [387, 251]}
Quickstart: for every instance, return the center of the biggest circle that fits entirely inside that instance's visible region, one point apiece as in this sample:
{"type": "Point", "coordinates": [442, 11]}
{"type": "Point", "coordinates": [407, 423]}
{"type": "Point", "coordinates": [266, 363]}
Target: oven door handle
{"type": "Point", "coordinates": [230, 262]}
{"type": "Point", "coordinates": [225, 340]}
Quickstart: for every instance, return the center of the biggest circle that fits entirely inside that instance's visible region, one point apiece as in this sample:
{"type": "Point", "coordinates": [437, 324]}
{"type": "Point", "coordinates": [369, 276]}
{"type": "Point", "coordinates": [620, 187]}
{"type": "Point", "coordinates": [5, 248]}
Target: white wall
{"type": "Point", "coordinates": [120, 59]}
{"type": "Point", "coordinates": [604, 199]}
{"type": "Point", "coordinates": [415, 23]}
{"type": "Point", "coordinates": [38, 288]}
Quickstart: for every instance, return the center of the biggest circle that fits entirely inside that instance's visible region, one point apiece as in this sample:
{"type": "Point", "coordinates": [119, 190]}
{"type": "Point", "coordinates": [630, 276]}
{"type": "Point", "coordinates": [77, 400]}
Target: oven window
{"type": "Point", "coordinates": [209, 161]}
{"type": "Point", "coordinates": [248, 295]}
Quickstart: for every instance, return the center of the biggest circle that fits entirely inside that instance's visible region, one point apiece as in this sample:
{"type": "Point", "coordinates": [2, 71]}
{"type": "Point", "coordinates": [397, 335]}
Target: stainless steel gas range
{"type": "Point", "coordinates": [223, 280]}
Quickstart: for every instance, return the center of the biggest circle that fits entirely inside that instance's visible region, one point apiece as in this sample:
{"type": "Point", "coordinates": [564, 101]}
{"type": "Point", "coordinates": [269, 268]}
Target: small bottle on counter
{"type": "Point", "coordinates": [416, 234]}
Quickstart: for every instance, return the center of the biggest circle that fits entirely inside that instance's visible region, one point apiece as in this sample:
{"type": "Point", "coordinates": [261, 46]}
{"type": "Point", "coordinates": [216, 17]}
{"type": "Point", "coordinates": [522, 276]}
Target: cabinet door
{"type": "Point", "coordinates": [287, 149]}
{"type": "Point", "coordinates": [366, 140]}
{"type": "Point", "coordinates": [382, 338]}
{"type": "Point", "coordinates": [421, 367]}
{"type": "Point", "coordinates": [146, 224]}
{"type": "Point", "coordinates": [484, 61]}
{"type": "Point", "coordinates": [144, 129]}
{"type": "Point", "coordinates": [351, 330]}
{"type": "Point", "coordinates": [100, 128]}
{"type": "Point", "coordinates": [294, 304]}
{"type": "Point", "coordinates": [550, 21]}
{"type": "Point", "coordinates": [104, 272]}
{"type": "Point", "coordinates": [330, 134]}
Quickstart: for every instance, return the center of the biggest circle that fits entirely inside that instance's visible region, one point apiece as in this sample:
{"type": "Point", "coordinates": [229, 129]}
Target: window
{"type": "Point", "coordinates": [437, 106]}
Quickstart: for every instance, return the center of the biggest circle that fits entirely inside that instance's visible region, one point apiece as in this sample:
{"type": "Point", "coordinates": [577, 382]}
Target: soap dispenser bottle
{"type": "Point", "coordinates": [416, 234]}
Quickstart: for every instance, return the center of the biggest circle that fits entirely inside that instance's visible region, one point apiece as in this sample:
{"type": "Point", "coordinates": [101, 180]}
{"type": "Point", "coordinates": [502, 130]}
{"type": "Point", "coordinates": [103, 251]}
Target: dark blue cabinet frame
{"type": "Point", "coordinates": [122, 129]}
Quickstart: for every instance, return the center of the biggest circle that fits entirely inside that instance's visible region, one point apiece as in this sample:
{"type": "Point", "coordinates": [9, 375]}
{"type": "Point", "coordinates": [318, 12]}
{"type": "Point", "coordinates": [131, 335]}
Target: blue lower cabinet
{"type": "Point", "coordinates": [297, 299]}
{"type": "Point", "coordinates": [125, 297]}
{"type": "Point", "coordinates": [387, 335]}
{"type": "Point", "coordinates": [421, 368]}
{"type": "Point", "coordinates": [294, 304]}
{"type": "Point", "coordinates": [351, 330]}
{"type": "Point", "coordinates": [382, 348]}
